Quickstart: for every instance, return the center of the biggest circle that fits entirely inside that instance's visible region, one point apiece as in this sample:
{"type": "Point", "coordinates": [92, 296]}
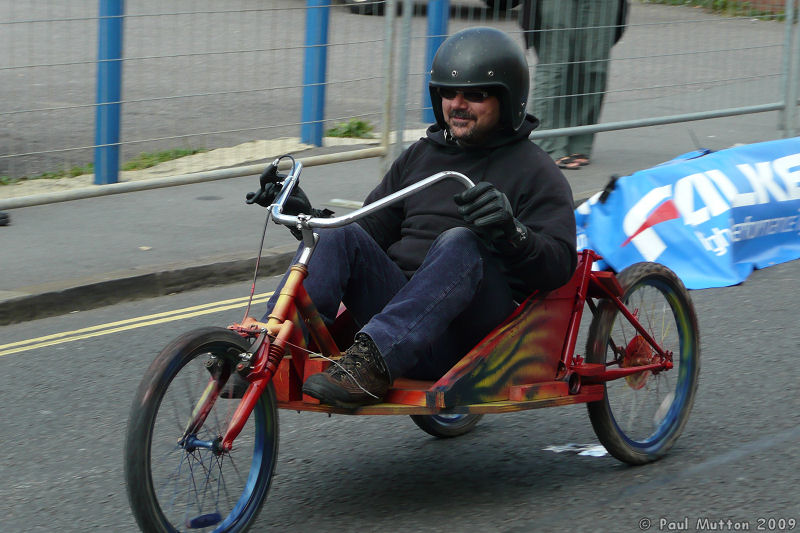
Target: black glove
{"type": "Point", "coordinates": [488, 212]}
{"type": "Point", "coordinates": [270, 182]}
{"type": "Point", "coordinates": [296, 203]}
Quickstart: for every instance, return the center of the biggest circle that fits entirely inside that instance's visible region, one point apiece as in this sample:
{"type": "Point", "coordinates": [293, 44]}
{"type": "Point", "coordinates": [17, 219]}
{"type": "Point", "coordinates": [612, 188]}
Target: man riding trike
{"type": "Point", "coordinates": [427, 278]}
{"type": "Point", "coordinates": [459, 291]}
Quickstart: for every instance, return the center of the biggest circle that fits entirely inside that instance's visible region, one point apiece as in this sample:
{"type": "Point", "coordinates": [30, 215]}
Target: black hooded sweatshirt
{"type": "Point", "coordinates": [537, 190]}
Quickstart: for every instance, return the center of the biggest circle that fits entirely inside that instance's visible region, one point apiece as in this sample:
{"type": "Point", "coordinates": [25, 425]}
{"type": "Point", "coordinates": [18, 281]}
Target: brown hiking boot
{"type": "Point", "coordinates": [360, 377]}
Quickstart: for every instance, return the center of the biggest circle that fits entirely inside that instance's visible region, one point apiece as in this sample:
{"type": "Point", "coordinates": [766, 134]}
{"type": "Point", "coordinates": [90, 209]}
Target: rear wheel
{"type": "Point", "coordinates": [445, 426]}
{"type": "Point", "coordinates": [176, 478]}
{"type": "Point", "coordinates": [643, 414]}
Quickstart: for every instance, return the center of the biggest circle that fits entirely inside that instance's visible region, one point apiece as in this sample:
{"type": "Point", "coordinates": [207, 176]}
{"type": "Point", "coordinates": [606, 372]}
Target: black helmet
{"type": "Point", "coordinates": [482, 57]}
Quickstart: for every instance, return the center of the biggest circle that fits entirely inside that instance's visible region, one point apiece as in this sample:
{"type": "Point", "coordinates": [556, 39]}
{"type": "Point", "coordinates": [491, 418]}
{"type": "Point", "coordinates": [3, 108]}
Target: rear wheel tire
{"type": "Point", "coordinates": [173, 482]}
{"type": "Point", "coordinates": [446, 426]}
{"type": "Point", "coordinates": [642, 415]}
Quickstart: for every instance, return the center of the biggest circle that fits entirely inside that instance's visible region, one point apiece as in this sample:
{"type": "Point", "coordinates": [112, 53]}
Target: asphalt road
{"type": "Point", "coordinates": [65, 408]}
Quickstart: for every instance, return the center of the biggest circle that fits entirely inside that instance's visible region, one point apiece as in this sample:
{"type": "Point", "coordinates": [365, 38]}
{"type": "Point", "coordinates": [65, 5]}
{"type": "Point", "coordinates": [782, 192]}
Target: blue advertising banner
{"type": "Point", "coordinates": [712, 217]}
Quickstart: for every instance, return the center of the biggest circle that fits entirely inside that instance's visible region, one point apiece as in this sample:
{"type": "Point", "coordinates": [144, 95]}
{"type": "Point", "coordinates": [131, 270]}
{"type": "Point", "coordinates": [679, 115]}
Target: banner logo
{"type": "Point", "coordinates": [734, 210]}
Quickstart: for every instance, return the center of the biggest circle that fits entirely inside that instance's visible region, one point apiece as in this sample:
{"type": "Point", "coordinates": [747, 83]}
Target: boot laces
{"type": "Point", "coordinates": [354, 360]}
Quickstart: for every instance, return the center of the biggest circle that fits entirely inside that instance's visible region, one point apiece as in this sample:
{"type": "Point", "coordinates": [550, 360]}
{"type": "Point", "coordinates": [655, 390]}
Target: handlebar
{"type": "Point", "coordinates": [305, 221]}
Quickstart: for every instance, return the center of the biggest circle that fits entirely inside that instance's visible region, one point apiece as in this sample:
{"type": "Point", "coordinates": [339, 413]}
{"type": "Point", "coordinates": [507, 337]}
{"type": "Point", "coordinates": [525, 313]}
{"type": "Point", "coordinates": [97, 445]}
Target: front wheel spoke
{"type": "Point", "coordinates": [187, 390]}
{"type": "Point", "coordinates": [208, 491]}
{"type": "Point", "coordinates": [175, 479]}
{"type": "Point", "coordinates": [238, 475]}
{"type": "Point", "coordinates": [193, 478]}
{"type": "Point", "coordinates": [169, 485]}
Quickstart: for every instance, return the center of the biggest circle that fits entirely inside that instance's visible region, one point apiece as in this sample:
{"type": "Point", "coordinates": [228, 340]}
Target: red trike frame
{"type": "Point", "coordinates": [526, 362]}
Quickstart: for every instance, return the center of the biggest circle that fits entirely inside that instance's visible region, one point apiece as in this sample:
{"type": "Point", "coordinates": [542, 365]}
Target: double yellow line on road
{"type": "Point", "coordinates": [128, 324]}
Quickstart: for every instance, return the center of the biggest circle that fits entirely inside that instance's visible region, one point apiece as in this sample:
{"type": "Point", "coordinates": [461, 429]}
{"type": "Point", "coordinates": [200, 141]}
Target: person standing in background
{"type": "Point", "coordinates": [573, 41]}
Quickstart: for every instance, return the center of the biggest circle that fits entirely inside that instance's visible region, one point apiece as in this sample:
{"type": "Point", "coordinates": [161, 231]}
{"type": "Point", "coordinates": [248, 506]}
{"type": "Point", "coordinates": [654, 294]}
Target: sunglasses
{"type": "Point", "coordinates": [470, 95]}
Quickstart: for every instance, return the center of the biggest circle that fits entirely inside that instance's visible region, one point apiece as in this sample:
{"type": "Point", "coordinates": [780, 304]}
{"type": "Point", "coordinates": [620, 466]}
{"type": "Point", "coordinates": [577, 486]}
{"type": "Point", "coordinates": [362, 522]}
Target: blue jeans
{"type": "Point", "coordinates": [422, 326]}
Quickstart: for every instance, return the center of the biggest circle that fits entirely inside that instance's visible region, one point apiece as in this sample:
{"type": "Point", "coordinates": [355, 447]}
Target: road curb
{"type": "Point", "coordinates": [152, 284]}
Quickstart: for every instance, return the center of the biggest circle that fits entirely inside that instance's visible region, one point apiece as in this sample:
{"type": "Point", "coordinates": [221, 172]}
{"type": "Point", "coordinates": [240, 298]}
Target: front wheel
{"type": "Point", "coordinates": [643, 414]}
{"type": "Point", "coordinates": [446, 426]}
{"type": "Point", "coordinates": [175, 480]}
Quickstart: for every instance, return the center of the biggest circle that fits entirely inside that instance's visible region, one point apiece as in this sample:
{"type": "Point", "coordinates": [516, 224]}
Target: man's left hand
{"type": "Point", "coordinates": [486, 209]}
{"type": "Point", "coordinates": [488, 212]}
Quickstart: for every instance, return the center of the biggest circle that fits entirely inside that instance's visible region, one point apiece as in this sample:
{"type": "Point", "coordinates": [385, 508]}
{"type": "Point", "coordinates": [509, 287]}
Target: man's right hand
{"type": "Point", "coordinates": [296, 203]}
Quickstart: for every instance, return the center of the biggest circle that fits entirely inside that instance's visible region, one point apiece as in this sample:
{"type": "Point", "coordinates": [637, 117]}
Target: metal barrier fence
{"type": "Point", "coordinates": [208, 74]}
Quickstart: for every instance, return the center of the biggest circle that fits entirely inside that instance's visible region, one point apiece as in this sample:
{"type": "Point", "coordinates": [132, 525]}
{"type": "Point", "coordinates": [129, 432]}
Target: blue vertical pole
{"type": "Point", "coordinates": [109, 91]}
{"type": "Point", "coordinates": [438, 15]}
{"type": "Point", "coordinates": [315, 63]}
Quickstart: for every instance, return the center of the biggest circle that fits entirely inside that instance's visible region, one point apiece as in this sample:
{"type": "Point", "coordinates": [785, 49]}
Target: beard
{"type": "Point", "coordinates": [476, 134]}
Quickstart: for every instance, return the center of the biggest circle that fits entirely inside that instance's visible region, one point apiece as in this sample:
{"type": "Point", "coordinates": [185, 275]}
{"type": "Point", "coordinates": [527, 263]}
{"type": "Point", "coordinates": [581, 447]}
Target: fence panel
{"type": "Point", "coordinates": [204, 74]}
{"type": "Point", "coordinates": [221, 75]}
{"type": "Point", "coordinates": [677, 60]}
{"type": "Point", "coordinates": [47, 85]}
{"type": "Point", "coordinates": [197, 74]}
{"type": "Point", "coordinates": [672, 61]}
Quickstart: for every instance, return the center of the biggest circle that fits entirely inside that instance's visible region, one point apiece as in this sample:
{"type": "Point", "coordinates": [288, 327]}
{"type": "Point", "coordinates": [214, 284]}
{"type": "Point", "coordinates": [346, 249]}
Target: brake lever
{"type": "Point", "coordinates": [270, 174]}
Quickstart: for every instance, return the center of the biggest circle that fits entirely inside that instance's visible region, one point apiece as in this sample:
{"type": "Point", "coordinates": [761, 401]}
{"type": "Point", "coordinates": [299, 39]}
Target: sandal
{"type": "Point", "coordinates": [581, 159]}
{"type": "Point", "coordinates": [573, 162]}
